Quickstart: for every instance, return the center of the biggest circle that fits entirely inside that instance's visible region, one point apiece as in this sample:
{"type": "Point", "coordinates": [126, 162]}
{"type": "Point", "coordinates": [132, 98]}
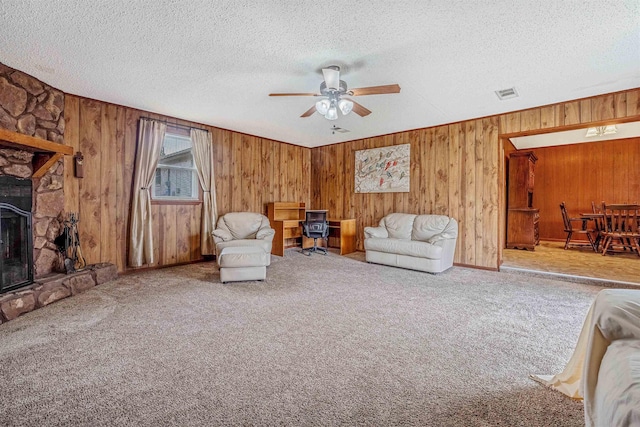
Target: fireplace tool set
{"type": "Point", "coordinates": [69, 244]}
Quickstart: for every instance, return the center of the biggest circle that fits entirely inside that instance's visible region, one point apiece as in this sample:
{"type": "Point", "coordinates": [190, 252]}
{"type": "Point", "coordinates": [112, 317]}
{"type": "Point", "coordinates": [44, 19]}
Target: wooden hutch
{"type": "Point", "coordinates": [522, 218]}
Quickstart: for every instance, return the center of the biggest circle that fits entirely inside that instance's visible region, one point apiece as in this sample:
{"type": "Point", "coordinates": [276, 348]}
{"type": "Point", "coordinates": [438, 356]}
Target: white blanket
{"type": "Point", "coordinates": [614, 315]}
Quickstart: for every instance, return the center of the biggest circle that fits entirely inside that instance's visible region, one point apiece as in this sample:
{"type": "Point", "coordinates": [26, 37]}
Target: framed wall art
{"type": "Point", "coordinates": [383, 170]}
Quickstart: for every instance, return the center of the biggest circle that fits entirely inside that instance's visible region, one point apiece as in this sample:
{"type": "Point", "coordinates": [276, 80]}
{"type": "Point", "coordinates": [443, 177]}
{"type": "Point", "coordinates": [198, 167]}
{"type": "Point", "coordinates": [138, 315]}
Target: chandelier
{"type": "Point", "coordinates": [601, 131]}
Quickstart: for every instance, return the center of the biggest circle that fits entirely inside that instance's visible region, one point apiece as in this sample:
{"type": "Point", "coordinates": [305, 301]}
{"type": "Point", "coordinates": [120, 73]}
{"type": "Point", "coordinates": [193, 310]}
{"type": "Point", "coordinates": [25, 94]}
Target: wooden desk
{"type": "Point", "coordinates": [287, 233]}
{"type": "Point", "coordinates": [285, 218]}
{"type": "Point", "coordinates": [342, 235]}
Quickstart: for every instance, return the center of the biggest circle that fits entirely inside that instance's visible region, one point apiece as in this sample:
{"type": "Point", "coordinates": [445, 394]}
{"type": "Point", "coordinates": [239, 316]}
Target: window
{"type": "Point", "coordinates": [176, 176]}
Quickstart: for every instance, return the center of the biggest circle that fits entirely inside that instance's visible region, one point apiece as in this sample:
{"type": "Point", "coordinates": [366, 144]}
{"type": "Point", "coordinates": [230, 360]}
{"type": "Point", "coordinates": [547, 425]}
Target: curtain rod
{"type": "Point", "coordinates": [172, 124]}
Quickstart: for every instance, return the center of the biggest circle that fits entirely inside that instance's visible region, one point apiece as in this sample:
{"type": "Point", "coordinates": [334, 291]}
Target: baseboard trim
{"type": "Point", "coordinates": [606, 283]}
{"type": "Point", "coordinates": [130, 270]}
{"type": "Point", "coordinates": [477, 267]}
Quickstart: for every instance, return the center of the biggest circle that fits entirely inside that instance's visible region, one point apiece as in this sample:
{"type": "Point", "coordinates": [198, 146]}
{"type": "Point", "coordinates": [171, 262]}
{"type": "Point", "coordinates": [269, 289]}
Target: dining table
{"type": "Point", "coordinates": [598, 221]}
{"type": "Point", "coordinates": [602, 221]}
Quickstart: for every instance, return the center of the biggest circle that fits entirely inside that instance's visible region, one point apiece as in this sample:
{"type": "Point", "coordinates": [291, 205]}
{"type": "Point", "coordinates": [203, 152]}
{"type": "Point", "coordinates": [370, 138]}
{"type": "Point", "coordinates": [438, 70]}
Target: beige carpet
{"type": "Point", "coordinates": [324, 341]}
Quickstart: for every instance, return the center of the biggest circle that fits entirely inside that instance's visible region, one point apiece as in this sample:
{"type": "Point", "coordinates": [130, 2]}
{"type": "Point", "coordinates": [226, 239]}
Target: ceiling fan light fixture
{"type": "Point", "coordinates": [322, 106]}
{"type": "Point", "coordinates": [345, 106]}
{"type": "Point", "coordinates": [601, 131]}
{"type": "Point", "coordinates": [332, 113]}
{"type": "Point", "coordinates": [332, 89]}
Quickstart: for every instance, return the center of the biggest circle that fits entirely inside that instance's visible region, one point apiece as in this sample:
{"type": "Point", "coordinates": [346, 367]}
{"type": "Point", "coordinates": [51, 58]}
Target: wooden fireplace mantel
{"type": "Point", "coordinates": [46, 153]}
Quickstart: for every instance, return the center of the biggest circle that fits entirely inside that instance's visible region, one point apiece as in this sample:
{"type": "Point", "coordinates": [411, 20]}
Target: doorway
{"type": "Point", "coordinates": [577, 172]}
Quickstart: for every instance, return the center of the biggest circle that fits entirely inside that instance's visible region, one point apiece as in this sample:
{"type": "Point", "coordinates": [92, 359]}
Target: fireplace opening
{"type": "Point", "coordinates": [16, 236]}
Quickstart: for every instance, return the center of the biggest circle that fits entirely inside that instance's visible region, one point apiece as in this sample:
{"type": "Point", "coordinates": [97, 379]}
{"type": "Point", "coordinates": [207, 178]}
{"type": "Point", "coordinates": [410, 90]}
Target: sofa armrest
{"type": "Point", "coordinates": [220, 235]}
{"type": "Point", "coordinates": [266, 234]}
{"type": "Point", "coordinates": [435, 239]}
{"type": "Point", "coordinates": [379, 232]}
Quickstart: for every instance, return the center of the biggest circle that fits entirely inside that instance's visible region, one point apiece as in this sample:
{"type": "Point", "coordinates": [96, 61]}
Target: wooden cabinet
{"type": "Point", "coordinates": [285, 219]}
{"type": "Point", "coordinates": [521, 177]}
{"type": "Point", "coordinates": [523, 228]}
{"type": "Point", "coordinates": [522, 218]}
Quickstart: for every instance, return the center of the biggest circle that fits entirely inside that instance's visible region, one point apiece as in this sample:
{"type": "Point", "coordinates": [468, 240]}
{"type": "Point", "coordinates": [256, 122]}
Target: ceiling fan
{"type": "Point", "coordinates": [333, 90]}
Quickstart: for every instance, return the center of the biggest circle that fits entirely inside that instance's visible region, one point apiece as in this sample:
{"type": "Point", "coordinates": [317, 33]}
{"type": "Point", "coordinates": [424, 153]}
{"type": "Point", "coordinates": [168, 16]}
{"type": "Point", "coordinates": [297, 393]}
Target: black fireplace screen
{"type": "Point", "coordinates": [16, 247]}
{"type": "Point", "coordinates": [16, 238]}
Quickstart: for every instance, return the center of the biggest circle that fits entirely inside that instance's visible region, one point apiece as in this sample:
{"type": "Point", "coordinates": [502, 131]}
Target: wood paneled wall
{"type": "Point", "coordinates": [612, 108]}
{"type": "Point", "coordinates": [250, 172]}
{"type": "Point", "coordinates": [457, 170]}
{"type": "Point", "coordinates": [579, 174]}
{"type": "Point", "coordinates": [454, 171]}
{"type": "Point", "coordinates": [550, 175]}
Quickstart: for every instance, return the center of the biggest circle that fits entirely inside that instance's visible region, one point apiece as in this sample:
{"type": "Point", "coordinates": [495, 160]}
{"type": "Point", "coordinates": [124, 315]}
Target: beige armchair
{"type": "Point", "coordinates": [243, 229]}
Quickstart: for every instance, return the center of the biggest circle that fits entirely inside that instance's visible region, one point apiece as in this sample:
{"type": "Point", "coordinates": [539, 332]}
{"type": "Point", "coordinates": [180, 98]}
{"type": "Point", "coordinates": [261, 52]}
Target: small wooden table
{"type": "Point", "coordinates": [598, 220]}
{"type": "Point", "coordinates": [342, 235]}
{"type": "Point", "coordinates": [590, 216]}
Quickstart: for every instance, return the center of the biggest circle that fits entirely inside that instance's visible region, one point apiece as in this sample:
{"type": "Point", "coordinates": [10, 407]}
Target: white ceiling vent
{"type": "Point", "coordinates": [507, 93]}
{"type": "Point", "coordinates": [335, 129]}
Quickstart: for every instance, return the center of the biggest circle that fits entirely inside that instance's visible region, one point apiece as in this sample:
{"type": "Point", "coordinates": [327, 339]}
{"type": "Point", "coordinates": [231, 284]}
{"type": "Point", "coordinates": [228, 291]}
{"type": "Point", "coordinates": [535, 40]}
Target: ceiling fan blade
{"type": "Point", "coordinates": [309, 112]}
{"type": "Point", "coordinates": [375, 90]}
{"type": "Point", "coordinates": [294, 94]}
{"type": "Point", "coordinates": [359, 109]}
{"type": "Point", "coordinates": [331, 78]}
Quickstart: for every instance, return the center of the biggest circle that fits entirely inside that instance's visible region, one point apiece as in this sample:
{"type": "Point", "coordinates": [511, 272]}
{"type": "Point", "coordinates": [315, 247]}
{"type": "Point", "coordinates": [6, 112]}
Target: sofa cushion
{"type": "Point", "coordinates": [431, 228]}
{"type": "Point", "coordinates": [242, 225]}
{"type": "Point", "coordinates": [265, 245]}
{"type": "Point", "coordinates": [403, 247]}
{"type": "Point", "coordinates": [243, 256]}
{"type": "Point", "coordinates": [222, 234]}
{"type": "Point", "coordinates": [617, 392]}
{"type": "Point", "coordinates": [375, 232]}
{"type": "Point", "coordinates": [398, 225]}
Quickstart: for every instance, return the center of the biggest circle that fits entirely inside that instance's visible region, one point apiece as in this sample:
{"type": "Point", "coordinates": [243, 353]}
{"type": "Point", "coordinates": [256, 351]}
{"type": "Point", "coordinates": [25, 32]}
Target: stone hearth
{"type": "Point", "coordinates": [52, 288]}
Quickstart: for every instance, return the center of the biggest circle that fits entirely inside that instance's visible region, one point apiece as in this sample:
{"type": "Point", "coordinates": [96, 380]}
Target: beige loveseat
{"type": "Point", "coordinates": [243, 229]}
{"type": "Point", "coordinates": [418, 242]}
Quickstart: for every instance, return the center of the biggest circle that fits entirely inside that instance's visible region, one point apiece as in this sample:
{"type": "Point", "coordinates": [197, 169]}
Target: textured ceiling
{"type": "Point", "coordinates": [215, 62]}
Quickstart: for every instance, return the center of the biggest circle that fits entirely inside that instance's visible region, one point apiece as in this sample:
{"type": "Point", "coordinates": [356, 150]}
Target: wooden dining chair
{"type": "Point", "coordinates": [598, 222]}
{"type": "Point", "coordinates": [577, 226]}
{"type": "Point", "coordinates": [622, 231]}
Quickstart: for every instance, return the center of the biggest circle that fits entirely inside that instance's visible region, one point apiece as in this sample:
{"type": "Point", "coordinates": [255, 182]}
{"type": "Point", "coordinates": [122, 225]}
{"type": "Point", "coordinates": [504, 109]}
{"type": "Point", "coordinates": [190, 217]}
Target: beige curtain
{"type": "Point", "coordinates": [150, 139]}
{"type": "Point", "coordinates": [203, 156]}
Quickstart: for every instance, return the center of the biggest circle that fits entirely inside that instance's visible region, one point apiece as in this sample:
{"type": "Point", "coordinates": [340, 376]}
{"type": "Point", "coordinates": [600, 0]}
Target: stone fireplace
{"type": "Point", "coordinates": [32, 108]}
{"type": "Point", "coordinates": [31, 151]}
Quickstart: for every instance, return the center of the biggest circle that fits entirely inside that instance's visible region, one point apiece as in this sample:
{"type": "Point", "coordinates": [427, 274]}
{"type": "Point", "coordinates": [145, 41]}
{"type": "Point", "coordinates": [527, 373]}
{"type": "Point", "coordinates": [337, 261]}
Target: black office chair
{"type": "Point", "coordinates": [315, 227]}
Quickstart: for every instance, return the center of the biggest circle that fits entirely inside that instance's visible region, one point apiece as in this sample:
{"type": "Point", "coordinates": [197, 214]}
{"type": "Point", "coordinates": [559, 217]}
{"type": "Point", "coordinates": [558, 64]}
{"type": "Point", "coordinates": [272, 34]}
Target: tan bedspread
{"type": "Point", "coordinates": [614, 315]}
